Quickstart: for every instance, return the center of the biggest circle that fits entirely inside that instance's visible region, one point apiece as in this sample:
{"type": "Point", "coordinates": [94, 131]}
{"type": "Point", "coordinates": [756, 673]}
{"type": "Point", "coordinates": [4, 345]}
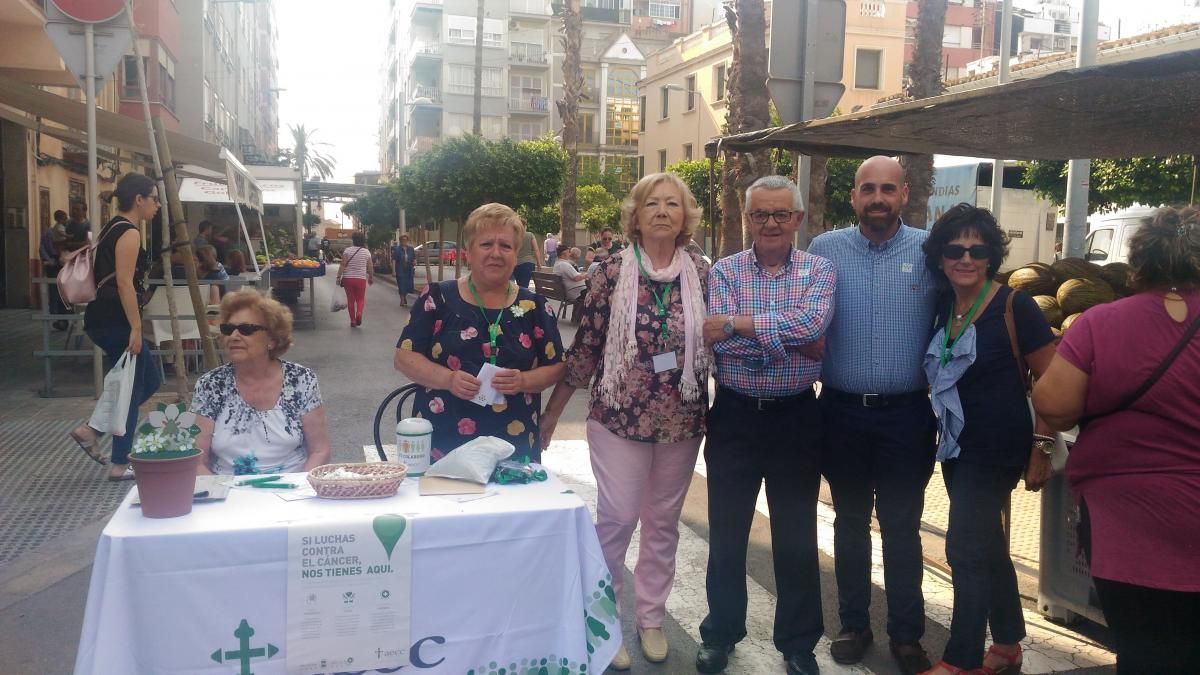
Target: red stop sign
{"type": "Point", "coordinates": [90, 11]}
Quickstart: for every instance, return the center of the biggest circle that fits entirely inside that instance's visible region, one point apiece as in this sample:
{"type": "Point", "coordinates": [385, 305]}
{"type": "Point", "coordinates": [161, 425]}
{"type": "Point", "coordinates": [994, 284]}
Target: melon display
{"type": "Point", "coordinates": [1076, 295]}
{"type": "Point", "coordinates": [1033, 279]}
{"type": "Point", "coordinates": [1050, 309]}
{"type": "Point", "coordinates": [1066, 324]}
{"type": "Point", "coordinates": [1075, 268]}
{"type": "Point", "coordinates": [1119, 276]}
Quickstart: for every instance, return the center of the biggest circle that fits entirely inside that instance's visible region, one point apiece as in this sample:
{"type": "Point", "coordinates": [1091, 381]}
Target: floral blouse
{"type": "Point", "coordinates": [651, 410]}
{"type": "Point", "coordinates": [452, 332]}
{"type": "Point", "coordinates": [248, 441]}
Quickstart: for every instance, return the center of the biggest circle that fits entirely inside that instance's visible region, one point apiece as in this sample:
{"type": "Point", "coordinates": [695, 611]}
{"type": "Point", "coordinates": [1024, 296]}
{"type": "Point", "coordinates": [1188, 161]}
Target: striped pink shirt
{"type": "Point", "coordinates": [354, 262]}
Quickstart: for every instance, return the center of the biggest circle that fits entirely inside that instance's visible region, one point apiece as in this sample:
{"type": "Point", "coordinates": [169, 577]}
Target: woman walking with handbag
{"type": "Point", "coordinates": [356, 274]}
{"type": "Point", "coordinates": [113, 320]}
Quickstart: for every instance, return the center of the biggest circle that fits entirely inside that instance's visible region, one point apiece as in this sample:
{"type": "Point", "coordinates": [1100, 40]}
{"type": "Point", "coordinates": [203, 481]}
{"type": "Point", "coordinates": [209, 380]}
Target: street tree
{"type": "Point", "coordinates": [924, 80]}
{"type": "Point", "coordinates": [1118, 183]}
{"type": "Point", "coordinates": [568, 111]}
{"type": "Point", "coordinates": [309, 155]}
{"type": "Point", "coordinates": [598, 208]}
{"type": "Point", "coordinates": [694, 174]}
{"type": "Point", "coordinates": [748, 111]}
{"type": "Point", "coordinates": [378, 213]}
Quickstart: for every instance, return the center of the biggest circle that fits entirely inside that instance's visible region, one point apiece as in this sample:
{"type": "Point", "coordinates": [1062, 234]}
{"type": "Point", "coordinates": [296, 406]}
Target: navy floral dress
{"type": "Point", "coordinates": [452, 332]}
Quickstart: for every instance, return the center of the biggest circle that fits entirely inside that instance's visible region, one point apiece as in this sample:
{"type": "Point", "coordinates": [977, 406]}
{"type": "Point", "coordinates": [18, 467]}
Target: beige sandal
{"type": "Point", "coordinates": [89, 448]}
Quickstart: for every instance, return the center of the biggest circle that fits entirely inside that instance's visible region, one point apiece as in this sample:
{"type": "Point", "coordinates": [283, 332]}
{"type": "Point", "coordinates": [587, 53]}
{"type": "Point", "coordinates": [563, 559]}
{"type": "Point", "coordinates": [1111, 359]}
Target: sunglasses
{"type": "Point", "coordinates": [782, 216]}
{"type": "Point", "coordinates": [956, 251]}
{"type": "Point", "coordinates": [246, 329]}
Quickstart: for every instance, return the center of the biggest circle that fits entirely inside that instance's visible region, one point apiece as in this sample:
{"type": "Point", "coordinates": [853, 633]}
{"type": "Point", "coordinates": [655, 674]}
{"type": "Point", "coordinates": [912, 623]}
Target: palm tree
{"type": "Point", "coordinates": [924, 80]}
{"type": "Point", "coordinates": [306, 155]}
{"type": "Point", "coordinates": [749, 110]}
{"type": "Point", "coordinates": [568, 110]}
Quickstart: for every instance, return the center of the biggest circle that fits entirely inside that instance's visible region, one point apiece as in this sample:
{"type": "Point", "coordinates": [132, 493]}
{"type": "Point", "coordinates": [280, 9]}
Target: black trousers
{"type": "Point", "coordinates": [745, 447]}
{"type": "Point", "coordinates": [879, 459]}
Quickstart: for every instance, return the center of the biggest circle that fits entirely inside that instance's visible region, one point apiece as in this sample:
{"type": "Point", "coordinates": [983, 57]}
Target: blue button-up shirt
{"type": "Point", "coordinates": [883, 311]}
{"type": "Point", "coordinates": [790, 308]}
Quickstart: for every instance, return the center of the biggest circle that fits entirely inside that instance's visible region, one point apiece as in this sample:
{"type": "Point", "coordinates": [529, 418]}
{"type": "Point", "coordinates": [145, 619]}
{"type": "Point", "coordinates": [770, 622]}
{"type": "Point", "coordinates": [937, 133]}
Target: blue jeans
{"type": "Point", "coordinates": [523, 274]}
{"type": "Point", "coordinates": [985, 583]}
{"type": "Point", "coordinates": [114, 340]}
{"type": "Point", "coordinates": [879, 459]}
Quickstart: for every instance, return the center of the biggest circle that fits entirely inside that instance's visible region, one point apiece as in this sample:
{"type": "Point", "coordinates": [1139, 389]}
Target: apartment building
{"type": "Point", "coordinates": [684, 91]}
{"type": "Point", "coordinates": [226, 76]}
{"type": "Point", "coordinates": [430, 76]}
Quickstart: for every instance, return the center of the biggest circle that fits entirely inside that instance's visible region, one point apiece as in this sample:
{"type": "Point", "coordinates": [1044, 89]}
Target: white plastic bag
{"type": "Point", "coordinates": [113, 407]}
{"type": "Point", "coordinates": [337, 301]}
{"type": "Point", "coordinates": [474, 460]}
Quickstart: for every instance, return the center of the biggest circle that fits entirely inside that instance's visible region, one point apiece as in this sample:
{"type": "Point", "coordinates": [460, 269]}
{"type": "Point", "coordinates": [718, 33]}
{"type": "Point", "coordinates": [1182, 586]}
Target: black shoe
{"type": "Point", "coordinates": [850, 645]}
{"type": "Point", "coordinates": [802, 664]}
{"type": "Point", "coordinates": [911, 656]}
{"type": "Point", "coordinates": [712, 658]}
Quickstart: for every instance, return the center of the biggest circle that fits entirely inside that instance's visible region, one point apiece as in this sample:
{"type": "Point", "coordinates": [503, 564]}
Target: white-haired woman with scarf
{"type": "Point", "coordinates": [640, 347]}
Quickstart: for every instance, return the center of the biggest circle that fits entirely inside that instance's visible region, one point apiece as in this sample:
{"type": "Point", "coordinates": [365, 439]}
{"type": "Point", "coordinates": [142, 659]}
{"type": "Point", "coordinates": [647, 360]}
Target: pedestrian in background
{"type": "Point", "coordinates": [355, 274]}
{"type": "Point", "coordinates": [50, 250]}
{"type": "Point", "coordinates": [528, 257]}
{"type": "Point", "coordinates": [768, 310]}
{"type": "Point", "coordinates": [878, 424]}
{"type": "Point", "coordinates": [113, 320]}
{"type": "Point", "coordinates": [640, 346]}
{"type": "Point", "coordinates": [551, 248]}
{"type": "Point", "coordinates": [986, 441]}
{"type": "Point", "coordinates": [1128, 372]}
{"type": "Point", "coordinates": [404, 260]}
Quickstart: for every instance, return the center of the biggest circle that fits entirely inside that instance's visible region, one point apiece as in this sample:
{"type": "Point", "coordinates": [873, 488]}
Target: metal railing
{"type": "Point", "coordinates": [421, 91]}
{"type": "Point", "coordinates": [529, 103]}
{"type": "Point", "coordinates": [526, 52]}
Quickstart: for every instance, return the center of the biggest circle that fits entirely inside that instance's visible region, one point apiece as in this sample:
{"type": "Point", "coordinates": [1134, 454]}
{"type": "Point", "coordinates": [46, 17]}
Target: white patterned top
{"type": "Point", "coordinates": [250, 441]}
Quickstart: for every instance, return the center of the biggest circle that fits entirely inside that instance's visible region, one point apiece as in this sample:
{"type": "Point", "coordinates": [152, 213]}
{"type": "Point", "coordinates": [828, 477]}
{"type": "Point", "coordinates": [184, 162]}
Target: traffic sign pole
{"type": "Point", "coordinates": [804, 171]}
{"type": "Point", "coordinates": [89, 88]}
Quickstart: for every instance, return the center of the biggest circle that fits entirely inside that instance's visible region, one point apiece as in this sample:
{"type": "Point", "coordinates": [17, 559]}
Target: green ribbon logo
{"type": "Point", "coordinates": [389, 528]}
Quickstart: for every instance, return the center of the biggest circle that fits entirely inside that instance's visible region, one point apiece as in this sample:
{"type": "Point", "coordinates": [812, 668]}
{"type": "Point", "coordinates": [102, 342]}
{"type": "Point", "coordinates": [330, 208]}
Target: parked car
{"type": "Point", "coordinates": [445, 251]}
{"type": "Point", "coordinates": [1108, 239]}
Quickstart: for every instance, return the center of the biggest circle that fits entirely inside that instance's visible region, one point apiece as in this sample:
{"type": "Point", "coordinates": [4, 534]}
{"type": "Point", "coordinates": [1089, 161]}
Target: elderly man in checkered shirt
{"type": "Point", "coordinates": [769, 308]}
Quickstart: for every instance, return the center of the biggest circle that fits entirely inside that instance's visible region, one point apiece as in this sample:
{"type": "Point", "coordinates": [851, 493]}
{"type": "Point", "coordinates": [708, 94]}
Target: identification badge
{"type": "Point", "coordinates": [907, 268]}
{"type": "Point", "coordinates": [664, 362]}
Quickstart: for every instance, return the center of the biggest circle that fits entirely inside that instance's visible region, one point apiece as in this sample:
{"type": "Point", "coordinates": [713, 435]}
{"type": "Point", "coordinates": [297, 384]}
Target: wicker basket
{"type": "Point", "coordinates": [378, 479]}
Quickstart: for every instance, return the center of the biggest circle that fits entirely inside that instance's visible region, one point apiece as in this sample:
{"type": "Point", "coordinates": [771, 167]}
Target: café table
{"type": "Point", "coordinates": [513, 580]}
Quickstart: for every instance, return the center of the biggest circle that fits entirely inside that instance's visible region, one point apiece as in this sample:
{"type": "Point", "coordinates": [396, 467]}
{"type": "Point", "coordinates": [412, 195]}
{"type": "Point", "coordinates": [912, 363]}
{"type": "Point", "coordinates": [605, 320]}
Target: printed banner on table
{"type": "Point", "coordinates": [349, 594]}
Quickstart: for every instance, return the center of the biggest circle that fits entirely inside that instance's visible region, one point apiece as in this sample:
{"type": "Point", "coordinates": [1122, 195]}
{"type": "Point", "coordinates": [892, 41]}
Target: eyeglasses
{"type": "Point", "coordinates": [956, 251]}
{"type": "Point", "coordinates": [246, 329]}
{"type": "Point", "coordinates": [154, 197]}
{"type": "Point", "coordinates": [781, 216]}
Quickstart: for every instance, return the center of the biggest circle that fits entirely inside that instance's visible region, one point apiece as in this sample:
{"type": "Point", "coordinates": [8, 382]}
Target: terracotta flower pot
{"type": "Point", "coordinates": [166, 484]}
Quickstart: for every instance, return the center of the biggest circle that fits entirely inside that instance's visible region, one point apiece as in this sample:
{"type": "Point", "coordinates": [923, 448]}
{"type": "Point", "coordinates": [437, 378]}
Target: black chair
{"type": "Point", "coordinates": [403, 394]}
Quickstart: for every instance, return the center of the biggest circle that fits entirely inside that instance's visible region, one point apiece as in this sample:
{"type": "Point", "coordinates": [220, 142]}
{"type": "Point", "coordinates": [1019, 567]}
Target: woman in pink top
{"type": "Point", "coordinates": [1136, 465]}
{"type": "Point", "coordinates": [356, 273]}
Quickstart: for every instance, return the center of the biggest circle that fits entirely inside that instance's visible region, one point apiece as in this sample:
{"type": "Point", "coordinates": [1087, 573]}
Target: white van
{"type": "Point", "coordinates": [1108, 240]}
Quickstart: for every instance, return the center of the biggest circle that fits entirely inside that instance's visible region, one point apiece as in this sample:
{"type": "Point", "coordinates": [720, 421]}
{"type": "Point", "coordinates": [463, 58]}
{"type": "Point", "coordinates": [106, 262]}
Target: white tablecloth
{"type": "Point", "coordinates": [512, 581]}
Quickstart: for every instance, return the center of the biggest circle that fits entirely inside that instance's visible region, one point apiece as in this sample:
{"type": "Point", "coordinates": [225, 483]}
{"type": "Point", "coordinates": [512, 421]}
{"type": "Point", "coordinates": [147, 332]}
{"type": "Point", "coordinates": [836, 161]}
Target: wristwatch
{"type": "Point", "coordinates": [1044, 445]}
{"type": "Point", "coordinates": [728, 327]}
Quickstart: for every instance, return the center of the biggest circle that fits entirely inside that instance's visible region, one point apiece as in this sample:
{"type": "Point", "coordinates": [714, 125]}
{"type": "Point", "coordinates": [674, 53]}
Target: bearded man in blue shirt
{"type": "Point", "coordinates": [878, 428]}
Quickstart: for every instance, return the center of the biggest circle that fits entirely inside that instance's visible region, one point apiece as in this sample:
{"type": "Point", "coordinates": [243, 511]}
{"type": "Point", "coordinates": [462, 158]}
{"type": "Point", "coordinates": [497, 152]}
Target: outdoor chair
{"type": "Point", "coordinates": [402, 396]}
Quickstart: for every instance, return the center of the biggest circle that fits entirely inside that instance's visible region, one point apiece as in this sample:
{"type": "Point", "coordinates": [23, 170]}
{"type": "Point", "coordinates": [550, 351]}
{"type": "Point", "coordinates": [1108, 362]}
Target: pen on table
{"type": "Point", "coordinates": [282, 486]}
{"type": "Point", "coordinates": [260, 479]}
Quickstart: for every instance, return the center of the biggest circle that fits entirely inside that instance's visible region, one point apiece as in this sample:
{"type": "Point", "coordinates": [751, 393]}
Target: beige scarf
{"type": "Point", "coordinates": [621, 349]}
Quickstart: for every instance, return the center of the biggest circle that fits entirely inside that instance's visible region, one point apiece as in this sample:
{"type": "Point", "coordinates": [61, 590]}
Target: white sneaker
{"type": "Point", "coordinates": [621, 660]}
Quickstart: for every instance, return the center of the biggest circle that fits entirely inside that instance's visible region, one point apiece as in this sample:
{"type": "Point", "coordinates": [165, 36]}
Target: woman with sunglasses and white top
{"type": "Point", "coordinates": [113, 321]}
{"type": "Point", "coordinates": [986, 434]}
{"type": "Point", "coordinates": [258, 413]}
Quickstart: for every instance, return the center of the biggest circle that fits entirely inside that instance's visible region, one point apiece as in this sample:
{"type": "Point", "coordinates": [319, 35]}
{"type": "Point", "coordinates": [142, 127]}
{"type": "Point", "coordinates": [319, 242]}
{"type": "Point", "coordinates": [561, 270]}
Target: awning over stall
{"type": "Point", "coordinates": [274, 192]}
{"type": "Point", "coordinates": [1135, 108]}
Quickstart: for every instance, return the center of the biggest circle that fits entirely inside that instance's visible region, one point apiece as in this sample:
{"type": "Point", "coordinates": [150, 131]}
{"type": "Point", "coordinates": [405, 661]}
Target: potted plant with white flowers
{"type": "Point", "coordinates": [164, 461]}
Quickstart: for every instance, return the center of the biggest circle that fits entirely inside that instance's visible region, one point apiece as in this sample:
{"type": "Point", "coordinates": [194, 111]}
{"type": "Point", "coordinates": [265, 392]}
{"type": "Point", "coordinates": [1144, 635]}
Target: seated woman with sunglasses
{"type": "Point", "coordinates": [259, 413]}
{"type": "Point", "coordinates": [986, 432]}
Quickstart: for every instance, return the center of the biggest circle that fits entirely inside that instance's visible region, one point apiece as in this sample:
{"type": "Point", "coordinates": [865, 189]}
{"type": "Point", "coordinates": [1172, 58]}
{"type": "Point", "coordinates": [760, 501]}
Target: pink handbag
{"type": "Point", "coordinates": [76, 283]}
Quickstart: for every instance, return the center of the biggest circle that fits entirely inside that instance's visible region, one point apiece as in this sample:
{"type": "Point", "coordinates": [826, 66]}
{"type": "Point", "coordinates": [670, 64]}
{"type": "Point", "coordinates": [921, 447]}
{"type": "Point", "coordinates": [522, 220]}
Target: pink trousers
{"type": "Point", "coordinates": [646, 482]}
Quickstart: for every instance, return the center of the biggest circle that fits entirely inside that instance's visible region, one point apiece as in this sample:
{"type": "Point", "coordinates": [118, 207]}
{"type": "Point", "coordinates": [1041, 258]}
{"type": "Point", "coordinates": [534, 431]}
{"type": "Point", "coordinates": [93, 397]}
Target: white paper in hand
{"type": "Point", "coordinates": [487, 393]}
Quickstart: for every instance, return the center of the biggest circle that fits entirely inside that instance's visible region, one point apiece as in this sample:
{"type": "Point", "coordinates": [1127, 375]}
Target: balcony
{"type": "Point", "coordinates": [425, 50]}
{"type": "Point", "coordinates": [424, 95]}
{"type": "Point", "coordinates": [530, 7]}
{"type": "Point", "coordinates": [528, 103]}
{"type": "Point", "coordinates": [528, 54]}
{"type": "Point", "coordinates": [420, 144]}
{"type": "Point", "coordinates": [425, 12]}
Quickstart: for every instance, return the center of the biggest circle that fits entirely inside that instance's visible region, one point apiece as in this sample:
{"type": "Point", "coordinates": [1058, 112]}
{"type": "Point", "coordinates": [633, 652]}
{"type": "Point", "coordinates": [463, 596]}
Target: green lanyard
{"type": "Point", "coordinates": [493, 327]}
{"type": "Point", "coordinates": [948, 343]}
{"type": "Point", "coordinates": [660, 300]}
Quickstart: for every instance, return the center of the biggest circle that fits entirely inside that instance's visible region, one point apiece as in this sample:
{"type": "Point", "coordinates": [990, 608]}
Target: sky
{"type": "Point", "coordinates": [331, 65]}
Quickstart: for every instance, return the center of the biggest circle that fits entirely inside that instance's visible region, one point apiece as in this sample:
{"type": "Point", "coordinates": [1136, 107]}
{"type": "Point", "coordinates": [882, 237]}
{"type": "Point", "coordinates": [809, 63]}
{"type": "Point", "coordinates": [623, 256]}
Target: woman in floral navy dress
{"type": "Point", "coordinates": [457, 326]}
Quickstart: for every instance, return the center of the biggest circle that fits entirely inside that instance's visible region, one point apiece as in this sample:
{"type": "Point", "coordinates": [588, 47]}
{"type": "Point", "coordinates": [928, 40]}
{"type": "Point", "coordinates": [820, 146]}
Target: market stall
{"type": "Point", "coordinates": [515, 580]}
